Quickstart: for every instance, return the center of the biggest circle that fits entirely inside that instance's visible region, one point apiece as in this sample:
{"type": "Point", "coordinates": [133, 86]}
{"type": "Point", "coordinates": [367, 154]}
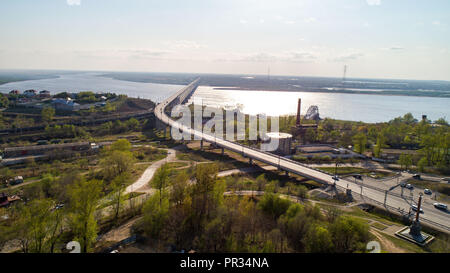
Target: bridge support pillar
{"type": "Point", "coordinates": [250, 161]}
{"type": "Point", "coordinates": [286, 173]}
{"type": "Point", "coordinates": [201, 144]}
{"type": "Point", "coordinates": [223, 151]}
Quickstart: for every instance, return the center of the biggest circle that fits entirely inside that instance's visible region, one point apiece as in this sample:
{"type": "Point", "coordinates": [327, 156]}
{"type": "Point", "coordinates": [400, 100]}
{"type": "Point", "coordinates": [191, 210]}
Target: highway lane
{"type": "Point", "coordinates": [431, 214]}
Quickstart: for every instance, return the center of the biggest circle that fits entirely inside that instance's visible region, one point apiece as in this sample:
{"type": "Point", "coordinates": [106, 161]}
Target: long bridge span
{"type": "Point", "coordinates": [397, 204]}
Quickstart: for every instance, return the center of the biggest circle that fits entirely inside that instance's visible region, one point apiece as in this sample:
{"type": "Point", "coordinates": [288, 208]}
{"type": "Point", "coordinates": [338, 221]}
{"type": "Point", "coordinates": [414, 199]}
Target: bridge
{"type": "Point", "coordinates": [398, 204]}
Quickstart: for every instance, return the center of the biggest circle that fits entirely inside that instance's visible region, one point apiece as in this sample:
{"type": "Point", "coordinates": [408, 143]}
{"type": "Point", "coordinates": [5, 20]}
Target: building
{"type": "Point", "coordinates": [43, 149]}
{"type": "Point", "coordinates": [65, 104]}
{"type": "Point", "coordinates": [300, 129]}
{"type": "Point", "coordinates": [6, 200]}
{"type": "Point", "coordinates": [284, 142]}
{"type": "Point", "coordinates": [44, 94]}
{"type": "Point", "coordinates": [30, 93]}
{"type": "Point", "coordinates": [311, 150]}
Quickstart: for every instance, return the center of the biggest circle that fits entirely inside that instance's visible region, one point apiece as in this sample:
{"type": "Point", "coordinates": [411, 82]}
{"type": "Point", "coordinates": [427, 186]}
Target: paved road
{"type": "Point", "coordinates": [437, 218]}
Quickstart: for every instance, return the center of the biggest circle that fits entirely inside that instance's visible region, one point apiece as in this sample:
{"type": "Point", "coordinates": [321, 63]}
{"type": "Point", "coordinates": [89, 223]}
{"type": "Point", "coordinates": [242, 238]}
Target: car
{"type": "Point", "coordinates": [409, 186]}
{"type": "Point", "coordinates": [55, 141]}
{"type": "Point", "coordinates": [414, 208]}
{"type": "Point", "coordinates": [59, 206]}
{"type": "Point", "coordinates": [416, 176]}
{"type": "Point", "coordinates": [16, 180]}
{"type": "Point", "coordinates": [42, 142]}
{"type": "Point", "coordinates": [336, 178]}
{"type": "Point", "coordinates": [403, 184]}
{"type": "Point", "coordinates": [358, 176]}
{"type": "Point", "coordinates": [427, 191]}
{"type": "Point", "coordinates": [440, 206]}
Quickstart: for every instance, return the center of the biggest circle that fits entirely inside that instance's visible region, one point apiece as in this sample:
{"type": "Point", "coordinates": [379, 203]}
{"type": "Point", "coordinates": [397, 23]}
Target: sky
{"type": "Point", "coordinates": [401, 39]}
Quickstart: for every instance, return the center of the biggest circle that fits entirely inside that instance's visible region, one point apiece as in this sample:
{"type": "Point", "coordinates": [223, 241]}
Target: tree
{"type": "Point", "coordinates": [206, 191]}
{"type": "Point", "coordinates": [116, 163]}
{"type": "Point", "coordinates": [38, 226]}
{"type": "Point", "coordinates": [359, 142]}
{"type": "Point", "coordinates": [155, 212]}
{"type": "Point", "coordinates": [117, 196]}
{"type": "Point", "coordinates": [160, 180]}
{"type": "Point", "coordinates": [4, 102]}
{"type": "Point", "coordinates": [5, 175]}
{"type": "Point", "coordinates": [273, 205]}
{"type": "Point", "coordinates": [47, 114]}
{"type": "Point", "coordinates": [349, 234]}
{"type": "Point", "coordinates": [179, 189]}
{"type": "Point", "coordinates": [422, 164]}
{"type": "Point", "coordinates": [84, 196]}
{"type": "Point", "coordinates": [318, 240]}
{"type": "Point", "coordinates": [261, 182]}
{"type": "Point", "coordinates": [378, 146]}
{"type": "Point", "coordinates": [441, 121]}
{"type": "Point", "coordinates": [405, 160]}
{"type": "Point", "coordinates": [302, 192]}
{"type": "Point", "coordinates": [121, 145]}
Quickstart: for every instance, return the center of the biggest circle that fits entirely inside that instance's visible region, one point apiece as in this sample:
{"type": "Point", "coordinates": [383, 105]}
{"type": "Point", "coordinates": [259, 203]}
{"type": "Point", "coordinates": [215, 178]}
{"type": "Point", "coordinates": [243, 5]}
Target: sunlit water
{"type": "Point", "coordinates": [356, 107]}
{"type": "Point", "coordinates": [93, 82]}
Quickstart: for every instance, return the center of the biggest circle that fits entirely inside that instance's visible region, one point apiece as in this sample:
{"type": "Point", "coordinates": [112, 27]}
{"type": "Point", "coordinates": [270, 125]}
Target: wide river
{"type": "Point", "coordinates": [96, 83]}
{"type": "Point", "coordinates": [357, 107]}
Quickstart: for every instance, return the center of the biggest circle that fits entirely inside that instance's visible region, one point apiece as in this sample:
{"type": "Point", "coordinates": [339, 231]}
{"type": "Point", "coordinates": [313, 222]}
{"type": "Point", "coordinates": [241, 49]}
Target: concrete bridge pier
{"type": "Point", "coordinates": [223, 151]}
{"type": "Point", "coordinates": [250, 161]}
{"type": "Point", "coordinates": [286, 173]}
{"type": "Point", "coordinates": [201, 144]}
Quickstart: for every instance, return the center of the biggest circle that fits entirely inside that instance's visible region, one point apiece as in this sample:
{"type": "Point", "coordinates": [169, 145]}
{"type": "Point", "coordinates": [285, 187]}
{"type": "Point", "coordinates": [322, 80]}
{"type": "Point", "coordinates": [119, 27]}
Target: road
{"type": "Point", "coordinates": [432, 216]}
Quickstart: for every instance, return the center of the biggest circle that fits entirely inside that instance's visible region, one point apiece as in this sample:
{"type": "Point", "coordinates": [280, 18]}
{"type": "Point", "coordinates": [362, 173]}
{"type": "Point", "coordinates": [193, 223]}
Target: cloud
{"type": "Point", "coordinates": [285, 57]}
{"type": "Point", "coordinates": [259, 57]}
{"type": "Point", "coordinates": [396, 48]}
{"type": "Point", "coordinates": [186, 44]}
{"type": "Point", "coordinates": [436, 23]}
{"type": "Point", "coordinates": [310, 20]}
{"type": "Point", "coordinates": [301, 56]}
{"type": "Point", "coordinates": [73, 2]}
{"type": "Point", "coordinates": [289, 22]}
{"type": "Point", "coordinates": [347, 57]}
{"type": "Point", "coordinates": [373, 2]}
{"type": "Point", "coordinates": [243, 21]}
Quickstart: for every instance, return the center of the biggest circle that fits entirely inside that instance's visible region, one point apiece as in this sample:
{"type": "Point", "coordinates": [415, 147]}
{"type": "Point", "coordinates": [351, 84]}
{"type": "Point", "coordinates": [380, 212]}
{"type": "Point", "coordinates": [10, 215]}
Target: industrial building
{"type": "Point", "coordinates": [284, 142]}
{"type": "Point", "coordinates": [300, 129]}
{"type": "Point", "coordinates": [43, 149]}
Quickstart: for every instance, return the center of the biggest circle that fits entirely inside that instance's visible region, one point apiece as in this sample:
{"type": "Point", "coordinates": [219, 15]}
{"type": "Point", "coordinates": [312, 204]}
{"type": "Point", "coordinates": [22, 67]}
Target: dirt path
{"type": "Point", "coordinates": [142, 182]}
{"type": "Point", "coordinates": [386, 244]}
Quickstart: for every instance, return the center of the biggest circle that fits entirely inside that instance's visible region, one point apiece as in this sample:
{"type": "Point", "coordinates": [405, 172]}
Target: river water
{"type": "Point", "coordinates": [356, 107]}
{"type": "Point", "coordinates": [95, 82]}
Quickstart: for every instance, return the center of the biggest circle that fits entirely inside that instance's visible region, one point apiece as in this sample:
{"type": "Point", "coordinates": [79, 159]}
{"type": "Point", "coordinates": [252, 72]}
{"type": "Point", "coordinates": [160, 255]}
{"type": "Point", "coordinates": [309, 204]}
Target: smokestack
{"type": "Point", "coordinates": [298, 112]}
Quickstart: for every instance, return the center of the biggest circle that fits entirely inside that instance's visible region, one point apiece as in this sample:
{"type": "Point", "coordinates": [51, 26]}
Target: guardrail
{"type": "Point", "coordinates": [231, 146]}
{"type": "Point", "coordinates": [402, 212]}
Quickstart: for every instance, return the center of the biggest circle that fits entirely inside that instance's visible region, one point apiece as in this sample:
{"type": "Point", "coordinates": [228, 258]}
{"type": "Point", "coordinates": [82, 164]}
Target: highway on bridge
{"type": "Point", "coordinates": [436, 218]}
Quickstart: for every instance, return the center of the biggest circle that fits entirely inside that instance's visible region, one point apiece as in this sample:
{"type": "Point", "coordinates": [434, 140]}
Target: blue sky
{"type": "Point", "coordinates": [406, 39]}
